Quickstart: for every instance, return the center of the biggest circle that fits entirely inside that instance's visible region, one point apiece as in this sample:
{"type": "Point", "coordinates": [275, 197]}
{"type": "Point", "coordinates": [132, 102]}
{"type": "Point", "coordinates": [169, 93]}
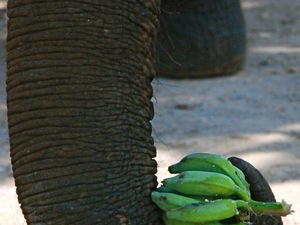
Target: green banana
{"type": "Point", "coordinates": [204, 212]}
{"type": "Point", "coordinates": [211, 163]}
{"type": "Point", "coordinates": [202, 198]}
{"type": "Point", "coordinates": [240, 174]}
{"type": "Point", "coordinates": [205, 184]}
{"type": "Point", "coordinates": [167, 201]}
{"type": "Point", "coordinates": [168, 221]}
{"type": "Point", "coordinates": [209, 190]}
{"type": "Point", "coordinates": [165, 190]}
{"type": "Point", "coordinates": [199, 198]}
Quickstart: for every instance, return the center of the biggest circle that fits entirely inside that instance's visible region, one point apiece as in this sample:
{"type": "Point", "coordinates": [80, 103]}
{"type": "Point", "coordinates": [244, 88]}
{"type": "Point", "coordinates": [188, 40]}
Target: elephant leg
{"type": "Point", "coordinates": [201, 38]}
{"type": "Point", "coordinates": [78, 96]}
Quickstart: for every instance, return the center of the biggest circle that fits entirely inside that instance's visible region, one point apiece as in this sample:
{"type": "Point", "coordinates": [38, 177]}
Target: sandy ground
{"type": "Point", "coordinates": [254, 114]}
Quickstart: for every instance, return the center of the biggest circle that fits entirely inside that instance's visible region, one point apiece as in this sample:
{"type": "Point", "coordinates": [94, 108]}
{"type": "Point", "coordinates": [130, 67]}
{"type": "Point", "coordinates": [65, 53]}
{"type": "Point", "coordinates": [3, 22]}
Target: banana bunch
{"type": "Point", "coordinates": [209, 190]}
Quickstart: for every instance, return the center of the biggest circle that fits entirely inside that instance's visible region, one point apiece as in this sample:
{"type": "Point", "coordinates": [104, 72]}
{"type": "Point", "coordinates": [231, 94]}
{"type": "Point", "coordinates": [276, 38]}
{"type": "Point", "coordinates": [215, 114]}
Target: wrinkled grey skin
{"type": "Point", "coordinates": [78, 97]}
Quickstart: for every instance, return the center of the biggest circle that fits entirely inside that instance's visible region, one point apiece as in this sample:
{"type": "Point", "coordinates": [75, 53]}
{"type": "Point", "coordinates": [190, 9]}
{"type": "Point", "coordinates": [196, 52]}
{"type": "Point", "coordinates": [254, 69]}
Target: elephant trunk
{"type": "Point", "coordinates": [78, 96]}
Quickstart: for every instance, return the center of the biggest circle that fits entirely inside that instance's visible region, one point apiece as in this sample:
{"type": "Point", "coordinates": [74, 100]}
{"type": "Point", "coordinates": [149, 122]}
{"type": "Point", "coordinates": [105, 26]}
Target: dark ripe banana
{"type": "Point", "coordinates": [205, 184]}
{"type": "Point", "coordinates": [214, 211]}
{"type": "Point", "coordinates": [211, 163]}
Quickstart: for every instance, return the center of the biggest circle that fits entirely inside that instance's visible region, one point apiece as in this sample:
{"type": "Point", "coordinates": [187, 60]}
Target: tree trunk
{"type": "Point", "coordinates": [78, 96]}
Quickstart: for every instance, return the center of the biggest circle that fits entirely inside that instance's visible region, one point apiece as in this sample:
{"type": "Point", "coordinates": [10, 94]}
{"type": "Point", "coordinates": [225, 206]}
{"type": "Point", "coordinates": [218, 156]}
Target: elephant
{"type": "Point", "coordinates": [79, 109]}
{"type": "Point", "coordinates": [201, 39]}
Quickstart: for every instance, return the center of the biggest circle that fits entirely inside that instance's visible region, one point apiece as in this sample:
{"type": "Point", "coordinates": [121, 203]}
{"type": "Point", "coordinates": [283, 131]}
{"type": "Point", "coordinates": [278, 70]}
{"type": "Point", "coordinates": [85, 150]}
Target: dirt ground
{"type": "Point", "coordinates": [254, 114]}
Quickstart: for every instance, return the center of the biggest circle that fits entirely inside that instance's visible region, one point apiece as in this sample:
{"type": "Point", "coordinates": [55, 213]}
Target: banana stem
{"type": "Point", "coordinates": [242, 205]}
{"type": "Point", "coordinates": [273, 208]}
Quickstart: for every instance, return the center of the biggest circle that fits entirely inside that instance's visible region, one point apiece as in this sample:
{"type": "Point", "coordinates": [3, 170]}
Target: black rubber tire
{"type": "Point", "coordinates": [200, 38]}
